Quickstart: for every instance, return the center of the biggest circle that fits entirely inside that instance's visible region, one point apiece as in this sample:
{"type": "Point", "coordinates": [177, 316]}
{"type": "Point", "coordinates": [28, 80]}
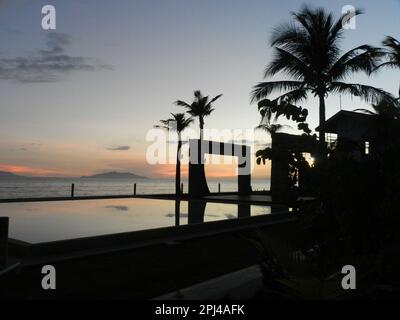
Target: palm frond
{"type": "Point", "coordinates": [364, 58]}
{"type": "Point", "coordinates": [294, 96]}
{"type": "Point", "coordinates": [182, 104]}
{"type": "Point", "coordinates": [287, 62]}
{"type": "Point", "coordinates": [337, 29]}
{"type": "Point", "coordinates": [264, 89]}
{"type": "Point", "coordinates": [368, 93]}
{"type": "Point", "coordinates": [215, 98]}
{"type": "Point", "coordinates": [392, 52]}
{"type": "Point", "coordinates": [392, 43]}
{"type": "Point", "coordinates": [272, 128]}
{"type": "Point", "coordinates": [177, 123]}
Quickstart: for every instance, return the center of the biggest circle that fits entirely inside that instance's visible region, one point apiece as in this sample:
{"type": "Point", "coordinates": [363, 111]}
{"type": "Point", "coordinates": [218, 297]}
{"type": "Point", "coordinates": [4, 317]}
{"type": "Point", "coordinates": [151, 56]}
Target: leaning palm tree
{"type": "Point", "coordinates": [177, 123]}
{"type": "Point", "coordinates": [308, 51]}
{"type": "Point", "coordinates": [201, 107]}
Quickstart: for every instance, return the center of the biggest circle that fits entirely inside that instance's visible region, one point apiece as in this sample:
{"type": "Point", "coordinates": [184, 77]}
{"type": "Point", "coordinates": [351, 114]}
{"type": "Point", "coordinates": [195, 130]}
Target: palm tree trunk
{"type": "Point", "coordinates": [178, 168]}
{"type": "Point", "coordinates": [202, 180]}
{"type": "Point", "coordinates": [201, 122]}
{"type": "Point", "coordinates": [322, 141]}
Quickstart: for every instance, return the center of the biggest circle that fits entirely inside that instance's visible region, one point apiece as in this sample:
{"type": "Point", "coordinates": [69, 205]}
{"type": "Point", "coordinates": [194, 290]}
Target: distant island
{"type": "Point", "coordinates": [115, 176]}
{"type": "Point", "coordinates": [11, 176]}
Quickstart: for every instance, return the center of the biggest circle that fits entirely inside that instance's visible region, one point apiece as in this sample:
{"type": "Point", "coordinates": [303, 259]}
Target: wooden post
{"type": "Point", "coordinates": [134, 189]}
{"type": "Point", "coordinates": [72, 190]}
{"type": "Point", "coordinates": [219, 187]}
{"type": "Point", "coordinates": [181, 188]}
{"type": "Point", "coordinates": [3, 241]}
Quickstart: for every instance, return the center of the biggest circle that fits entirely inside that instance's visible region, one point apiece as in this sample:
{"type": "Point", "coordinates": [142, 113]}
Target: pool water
{"type": "Point", "coordinates": [37, 222]}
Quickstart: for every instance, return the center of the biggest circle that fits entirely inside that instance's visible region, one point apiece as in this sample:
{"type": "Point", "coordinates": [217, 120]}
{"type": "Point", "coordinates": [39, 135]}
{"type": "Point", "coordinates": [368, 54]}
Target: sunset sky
{"type": "Point", "coordinates": [80, 100]}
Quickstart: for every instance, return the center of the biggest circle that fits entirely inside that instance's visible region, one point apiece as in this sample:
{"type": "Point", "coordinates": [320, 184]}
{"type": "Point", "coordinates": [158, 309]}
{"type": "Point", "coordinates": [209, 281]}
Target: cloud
{"type": "Point", "coordinates": [49, 64]}
{"type": "Point", "coordinates": [118, 208]}
{"type": "Point", "coordinates": [29, 146]}
{"type": "Point", "coordinates": [119, 148]}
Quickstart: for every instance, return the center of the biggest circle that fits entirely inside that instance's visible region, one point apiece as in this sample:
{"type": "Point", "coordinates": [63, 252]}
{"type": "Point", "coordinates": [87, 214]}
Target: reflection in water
{"type": "Point", "coordinates": [118, 208]}
{"type": "Point", "coordinates": [196, 212]}
{"type": "Point", "coordinates": [177, 212]}
{"type": "Point", "coordinates": [38, 222]}
{"type": "Point", "coordinates": [243, 210]}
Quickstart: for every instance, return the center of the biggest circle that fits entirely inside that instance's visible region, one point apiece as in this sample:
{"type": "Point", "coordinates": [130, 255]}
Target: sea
{"type": "Point", "coordinates": [61, 187]}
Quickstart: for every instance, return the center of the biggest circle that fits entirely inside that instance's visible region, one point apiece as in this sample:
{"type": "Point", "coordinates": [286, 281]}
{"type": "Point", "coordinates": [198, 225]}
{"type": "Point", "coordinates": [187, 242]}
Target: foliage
{"type": "Point", "coordinates": [353, 221]}
{"type": "Point", "coordinates": [177, 123]}
{"type": "Point", "coordinates": [392, 46]}
{"type": "Point", "coordinates": [307, 50]}
{"type": "Point", "coordinates": [268, 108]}
{"type": "Point", "coordinates": [201, 107]}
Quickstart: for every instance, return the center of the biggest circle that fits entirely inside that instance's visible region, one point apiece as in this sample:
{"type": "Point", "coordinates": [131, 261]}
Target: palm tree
{"type": "Point", "coordinates": [201, 107]}
{"type": "Point", "coordinates": [177, 123]}
{"type": "Point", "coordinates": [308, 51]}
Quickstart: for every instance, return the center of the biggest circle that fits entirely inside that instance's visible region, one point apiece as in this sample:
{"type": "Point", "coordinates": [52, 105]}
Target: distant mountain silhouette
{"type": "Point", "coordinates": [114, 175]}
{"type": "Point", "coordinates": [9, 176]}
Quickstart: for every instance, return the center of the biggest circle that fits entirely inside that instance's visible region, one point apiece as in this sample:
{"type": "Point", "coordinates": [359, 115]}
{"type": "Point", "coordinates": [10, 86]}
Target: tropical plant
{"type": "Point", "coordinates": [268, 108]}
{"type": "Point", "coordinates": [177, 123]}
{"type": "Point", "coordinates": [200, 108]}
{"type": "Point", "coordinates": [308, 51]}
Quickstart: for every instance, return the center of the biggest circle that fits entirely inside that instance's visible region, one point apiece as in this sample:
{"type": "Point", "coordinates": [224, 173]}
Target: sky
{"type": "Point", "coordinates": [81, 99]}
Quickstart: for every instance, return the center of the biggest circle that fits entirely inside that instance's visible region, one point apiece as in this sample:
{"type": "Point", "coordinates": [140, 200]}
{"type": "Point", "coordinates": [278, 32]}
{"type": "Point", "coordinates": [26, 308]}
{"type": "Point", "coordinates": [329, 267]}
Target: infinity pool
{"type": "Point", "coordinates": [38, 222]}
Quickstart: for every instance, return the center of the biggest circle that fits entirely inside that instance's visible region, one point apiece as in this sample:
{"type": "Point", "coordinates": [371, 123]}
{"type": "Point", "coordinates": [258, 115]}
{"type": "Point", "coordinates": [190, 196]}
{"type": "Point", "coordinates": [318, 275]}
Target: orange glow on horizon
{"type": "Point", "coordinates": [17, 169]}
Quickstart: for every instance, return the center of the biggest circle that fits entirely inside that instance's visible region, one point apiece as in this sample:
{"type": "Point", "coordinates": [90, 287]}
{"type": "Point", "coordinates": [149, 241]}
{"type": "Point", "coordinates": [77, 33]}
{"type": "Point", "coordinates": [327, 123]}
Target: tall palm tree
{"type": "Point", "coordinates": [201, 107]}
{"type": "Point", "coordinates": [177, 123]}
{"type": "Point", "coordinates": [308, 51]}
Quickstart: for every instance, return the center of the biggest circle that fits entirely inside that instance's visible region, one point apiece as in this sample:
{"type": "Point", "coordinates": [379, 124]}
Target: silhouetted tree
{"type": "Point", "coordinates": [308, 50]}
{"type": "Point", "coordinates": [177, 123]}
{"type": "Point", "coordinates": [200, 108]}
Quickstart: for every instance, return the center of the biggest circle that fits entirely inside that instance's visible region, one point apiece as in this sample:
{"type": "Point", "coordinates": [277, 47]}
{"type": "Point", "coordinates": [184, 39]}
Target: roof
{"type": "Point", "coordinates": [359, 119]}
